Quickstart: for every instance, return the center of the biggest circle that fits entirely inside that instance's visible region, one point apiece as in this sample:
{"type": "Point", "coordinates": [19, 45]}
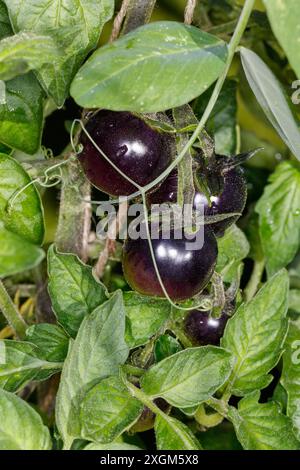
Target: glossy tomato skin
{"type": "Point", "coordinates": [184, 272]}
{"type": "Point", "coordinates": [202, 329]}
{"type": "Point", "coordinates": [139, 151]}
{"type": "Point", "coordinates": [167, 192]}
{"type": "Point", "coordinates": [231, 198]}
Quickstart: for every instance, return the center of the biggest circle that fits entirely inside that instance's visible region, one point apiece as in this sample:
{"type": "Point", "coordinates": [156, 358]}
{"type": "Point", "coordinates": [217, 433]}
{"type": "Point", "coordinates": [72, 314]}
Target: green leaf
{"type": "Point", "coordinates": [111, 446]}
{"type": "Point", "coordinates": [255, 335]}
{"type": "Point", "coordinates": [51, 341]}
{"type": "Point", "coordinates": [145, 316]}
{"type": "Point", "coordinates": [272, 99]}
{"type": "Point", "coordinates": [16, 254]}
{"type": "Point", "coordinates": [23, 214]}
{"type": "Point", "coordinates": [21, 427]}
{"type": "Point", "coordinates": [171, 434]}
{"type": "Point", "coordinates": [73, 289]}
{"type": "Point", "coordinates": [23, 52]}
{"type": "Point", "coordinates": [20, 363]}
{"type": "Point", "coordinates": [233, 248]}
{"type": "Point", "coordinates": [220, 437]}
{"type": "Point", "coordinates": [280, 396]}
{"type": "Point", "coordinates": [188, 377]}
{"type": "Point", "coordinates": [5, 26]}
{"type": "Point", "coordinates": [108, 410]}
{"type": "Point", "coordinates": [21, 115]}
{"type": "Point", "coordinates": [156, 67]}
{"type": "Point", "coordinates": [262, 426]}
{"type": "Point", "coordinates": [165, 346]}
{"type": "Point", "coordinates": [283, 16]}
{"type": "Point", "coordinates": [222, 123]}
{"type": "Point", "coordinates": [75, 27]}
{"type": "Point", "coordinates": [279, 216]}
{"type": "Point", "coordinates": [96, 353]}
{"type": "Point", "coordinates": [22, 221]}
{"type": "Point", "coordinates": [21, 106]}
{"type": "Point", "coordinates": [290, 377]}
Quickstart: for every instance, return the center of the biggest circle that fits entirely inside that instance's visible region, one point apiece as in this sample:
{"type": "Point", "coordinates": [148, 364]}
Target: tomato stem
{"type": "Point", "coordinates": [11, 313]}
{"type": "Point", "coordinates": [207, 420]}
{"type": "Point", "coordinates": [139, 12]}
{"type": "Point", "coordinates": [189, 11]}
{"type": "Point", "coordinates": [133, 370]}
{"type": "Point", "coordinates": [75, 211]}
{"type": "Point", "coordinates": [141, 396]}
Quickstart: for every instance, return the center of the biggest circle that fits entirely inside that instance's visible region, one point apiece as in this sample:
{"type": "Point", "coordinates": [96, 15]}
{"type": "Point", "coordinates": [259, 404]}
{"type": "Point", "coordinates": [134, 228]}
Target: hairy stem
{"type": "Point", "coordinates": [75, 212]}
{"type": "Point", "coordinates": [141, 396]}
{"type": "Point", "coordinates": [110, 242]}
{"type": "Point", "coordinates": [11, 313]}
{"type": "Point", "coordinates": [118, 21]}
{"type": "Point", "coordinates": [189, 11]}
{"type": "Point", "coordinates": [133, 370]}
{"type": "Point", "coordinates": [139, 12]}
{"type": "Point", "coordinates": [220, 406]}
{"type": "Point", "coordinates": [208, 420]}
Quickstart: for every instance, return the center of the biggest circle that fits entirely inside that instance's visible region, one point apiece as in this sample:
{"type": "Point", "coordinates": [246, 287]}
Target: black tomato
{"type": "Point", "coordinates": [185, 271]}
{"type": "Point", "coordinates": [138, 150]}
{"type": "Point", "coordinates": [167, 192]}
{"type": "Point", "coordinates": [203, 329]}
{"type": "Point", "coordinates": [231, 198]}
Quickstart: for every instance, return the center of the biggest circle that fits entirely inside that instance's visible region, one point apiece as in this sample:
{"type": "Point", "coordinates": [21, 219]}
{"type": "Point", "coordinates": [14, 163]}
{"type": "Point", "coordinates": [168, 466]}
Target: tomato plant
{"type": "Point", "coordinates": [149, 225]}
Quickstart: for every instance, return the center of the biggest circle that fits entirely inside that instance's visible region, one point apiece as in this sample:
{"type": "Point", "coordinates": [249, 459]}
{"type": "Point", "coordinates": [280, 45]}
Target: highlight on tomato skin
{"type": "Point", "coordinates": [231, 198]}
{"type": "Point", "coordinates": [184, 272]}
{"type": "Point", "coordinates": [203, 329]}
{"type": "Point", "coordinates": [139, 151]}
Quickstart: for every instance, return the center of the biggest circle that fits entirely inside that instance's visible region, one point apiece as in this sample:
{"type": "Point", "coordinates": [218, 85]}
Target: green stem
{"type": "Point", "coordinates": [186, 343]}
{"type": "Point", "coordinates": [75, 211]}
{"type": "Point", "coordinates": [133, 370]}
{"type": "Point", "coordinates": [141, 396]}
{"type": "Point", "coordinates": [220, 406]}
{"type": "Point", "coordinates": [225, 28]}
{"type": "Point", "coordinates": [208, 420]}
{"type": "Point", "coordinates": [11, 313]}
{"type": "Point", "coordinates": [253, 284]}
{"type": "Point", "coordinates": [139, 12]}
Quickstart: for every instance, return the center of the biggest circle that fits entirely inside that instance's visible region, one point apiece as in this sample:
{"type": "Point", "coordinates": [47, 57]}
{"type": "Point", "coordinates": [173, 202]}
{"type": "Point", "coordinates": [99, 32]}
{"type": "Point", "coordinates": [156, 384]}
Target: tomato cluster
{"type": "Point", "coordinates": [142, 153]}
